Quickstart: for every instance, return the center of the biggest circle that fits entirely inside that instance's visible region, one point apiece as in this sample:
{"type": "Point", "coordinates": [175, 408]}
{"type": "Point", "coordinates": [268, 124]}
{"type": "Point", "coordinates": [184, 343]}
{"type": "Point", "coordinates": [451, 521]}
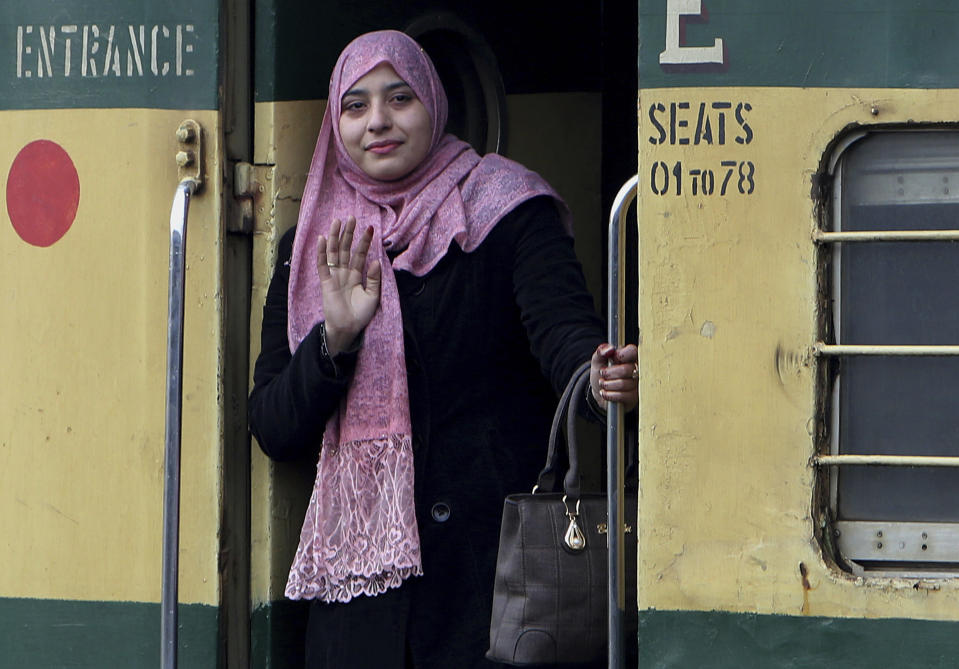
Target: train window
{"type": "Point", "coordinates": [893, 352]}
{"type": "Point", "coordinates": [467, 67]}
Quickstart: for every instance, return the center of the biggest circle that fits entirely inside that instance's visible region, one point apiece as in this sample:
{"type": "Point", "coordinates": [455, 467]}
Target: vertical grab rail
{"type": "Point", "coordinates": [615, 465]}
{"type": "Point", "coordinates": [174, 412]}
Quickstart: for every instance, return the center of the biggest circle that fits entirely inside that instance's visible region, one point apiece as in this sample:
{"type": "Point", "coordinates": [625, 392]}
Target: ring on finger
{"type": "Point", "coordinates": [331, 264]}
{"type": "Point", "coordinates": [635, 370]}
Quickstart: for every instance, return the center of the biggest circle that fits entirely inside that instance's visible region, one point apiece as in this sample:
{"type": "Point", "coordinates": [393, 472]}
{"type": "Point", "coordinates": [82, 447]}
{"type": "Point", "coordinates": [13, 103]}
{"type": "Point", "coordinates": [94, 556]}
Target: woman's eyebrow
{"type": "Point", "coordinates": [389, 87]}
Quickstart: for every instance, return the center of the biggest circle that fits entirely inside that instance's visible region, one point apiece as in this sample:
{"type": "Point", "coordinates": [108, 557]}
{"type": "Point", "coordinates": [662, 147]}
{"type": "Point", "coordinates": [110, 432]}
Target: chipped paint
{"type": "Point", "coordinates": [804, 575]}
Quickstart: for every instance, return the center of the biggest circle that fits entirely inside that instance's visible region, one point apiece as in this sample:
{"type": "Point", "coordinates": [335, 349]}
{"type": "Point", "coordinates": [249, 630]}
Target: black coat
{"type": "Point", "coordinates": [491, 337]}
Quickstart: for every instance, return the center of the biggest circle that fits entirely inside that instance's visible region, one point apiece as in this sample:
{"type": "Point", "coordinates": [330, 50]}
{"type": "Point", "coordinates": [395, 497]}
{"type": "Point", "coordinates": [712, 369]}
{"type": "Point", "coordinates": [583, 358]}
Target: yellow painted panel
{"type": "Point", "coordinates": [728, 314]}
{"type": "Point", "coordinates": [284, 139]}
{"type": "Point", "coordinates": [84, 362]}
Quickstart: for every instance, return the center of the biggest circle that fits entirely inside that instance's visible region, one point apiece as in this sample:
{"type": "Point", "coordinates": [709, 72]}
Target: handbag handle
{"type": "Point", "coordinates": [571, 482]}
{"type": "Point", "coordinates": [568, 406]}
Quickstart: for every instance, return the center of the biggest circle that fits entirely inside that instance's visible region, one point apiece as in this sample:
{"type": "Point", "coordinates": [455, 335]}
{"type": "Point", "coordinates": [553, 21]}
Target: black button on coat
{"type": "Point", "coordinates": [441, 512]}
{"type": "Point", "coordinates": [491, 338]}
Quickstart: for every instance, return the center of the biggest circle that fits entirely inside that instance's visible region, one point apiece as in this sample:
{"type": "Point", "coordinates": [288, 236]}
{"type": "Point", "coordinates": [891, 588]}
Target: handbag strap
{"type": "Point", "coordinates": [571, 483]}
{"type": "Point", "coordinates": [569, 399]}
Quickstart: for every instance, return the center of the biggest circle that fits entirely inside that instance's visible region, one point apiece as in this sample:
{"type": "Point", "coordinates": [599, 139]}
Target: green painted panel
{"type": "Point", "coordinates": [66, 54]}
{"type": "Point", "coordinates": [277, 635]}
{"type": "Point", "coordinates": [717, 640]}
{"type": "Point", "coordinates": [49, 633]}
{"type": "Point", "coordinates": [813, 43]}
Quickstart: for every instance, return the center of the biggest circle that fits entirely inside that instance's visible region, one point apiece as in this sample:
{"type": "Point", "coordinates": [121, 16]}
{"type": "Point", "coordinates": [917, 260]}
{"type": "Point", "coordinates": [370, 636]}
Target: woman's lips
{"type": "Point", "coordinates": [382, 147]}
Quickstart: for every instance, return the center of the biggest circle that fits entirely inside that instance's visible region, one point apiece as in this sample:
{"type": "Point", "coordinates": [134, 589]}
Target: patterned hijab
{"type": "Point", "coordinates": [359, 535]}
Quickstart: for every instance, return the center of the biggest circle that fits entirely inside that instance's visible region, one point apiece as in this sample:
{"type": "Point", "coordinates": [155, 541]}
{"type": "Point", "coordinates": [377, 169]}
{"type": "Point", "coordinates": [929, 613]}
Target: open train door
{"type": "Point", "coordinates": [549, 84]}
{"type": "Point", "coordinates": [92, 94]}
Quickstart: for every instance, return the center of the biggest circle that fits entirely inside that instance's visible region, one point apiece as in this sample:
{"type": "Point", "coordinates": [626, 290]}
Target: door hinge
{"type": "Point", "coordinates": [254, 193]}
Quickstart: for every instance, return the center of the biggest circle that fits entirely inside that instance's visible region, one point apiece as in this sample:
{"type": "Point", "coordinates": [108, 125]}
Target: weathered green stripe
{"type": "Point", "coordinates": [813, 43]}
{"type": "Point", "coordinates": [715, 640]}
{"type": "Point", "coordinates": [49, 634]}
{"type": "Point", "coordinates": [78, 65]}
{"type": "Point", "coordinates": [277, 635]}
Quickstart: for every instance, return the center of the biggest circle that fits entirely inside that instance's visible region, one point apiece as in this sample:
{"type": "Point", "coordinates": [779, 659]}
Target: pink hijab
{"type": "Point", "coordinates": [359, 535]}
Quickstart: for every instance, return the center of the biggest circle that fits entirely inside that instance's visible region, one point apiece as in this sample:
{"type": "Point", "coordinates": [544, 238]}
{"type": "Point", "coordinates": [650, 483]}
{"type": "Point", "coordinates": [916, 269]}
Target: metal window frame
{"type": "Point", "coordinates": [879, 548]}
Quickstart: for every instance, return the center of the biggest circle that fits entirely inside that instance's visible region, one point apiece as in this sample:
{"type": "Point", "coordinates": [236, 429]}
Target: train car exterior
{"type": "Point", "coordinates": [92, 94]}
{"type": "Point", "coordinates": [794, 206]}
{"type": "Point", "coordinates": [768, 130]}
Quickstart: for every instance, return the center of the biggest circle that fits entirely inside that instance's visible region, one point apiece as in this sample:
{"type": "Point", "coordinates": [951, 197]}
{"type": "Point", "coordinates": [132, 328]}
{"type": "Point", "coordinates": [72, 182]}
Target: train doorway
{"type": "Point", "coordinates": [551, 85]}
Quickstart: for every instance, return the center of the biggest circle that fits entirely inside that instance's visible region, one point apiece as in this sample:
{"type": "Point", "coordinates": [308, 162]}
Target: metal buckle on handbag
{"type": "Point", "coordinates": [574, 537]}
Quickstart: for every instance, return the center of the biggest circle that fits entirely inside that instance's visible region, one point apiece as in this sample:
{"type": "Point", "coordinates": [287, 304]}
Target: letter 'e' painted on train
{"type": "Point", "coordinates": [676, 53]}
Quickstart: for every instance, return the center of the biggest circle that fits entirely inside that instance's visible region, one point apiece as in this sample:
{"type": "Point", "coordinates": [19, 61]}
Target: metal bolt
{"type": "Point", "coordinates": [879, 545]}
{"type": "Point", "coordinates": [874, 110]}
{"type": "Point", "coordinates": [925, 536]}
{"type": "Point", "coordinates": [184, 158]}
{"type": "Point", "coordinates": [185, 133]}
{"type": "Point", "coordinates": [879, 534]}
{"type": "Point", "coordinates": [924, 547]}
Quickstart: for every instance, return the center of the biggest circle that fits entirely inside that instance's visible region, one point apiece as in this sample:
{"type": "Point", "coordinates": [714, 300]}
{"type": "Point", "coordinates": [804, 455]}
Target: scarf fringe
{"type": "Point", "coordinates": [359, 535]}
{"type": "Point", "coordinates": [328, 591]}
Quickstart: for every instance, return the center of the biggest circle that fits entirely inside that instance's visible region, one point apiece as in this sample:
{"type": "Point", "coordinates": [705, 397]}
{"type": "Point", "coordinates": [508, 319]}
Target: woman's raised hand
{"type": "Point", "coordinates": [348, 306]}
{"type": "Point", "coordinates": [614, 375]}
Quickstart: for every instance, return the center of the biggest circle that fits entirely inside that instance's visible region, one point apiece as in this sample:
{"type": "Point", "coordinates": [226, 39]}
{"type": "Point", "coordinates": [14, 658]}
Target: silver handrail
{"type": "Point", "coordinates": [845, 236]}
{"type": "Point", "coordinates": [615, 465]}
{"type": "Point", "coordinates": [895, 349]}
{"type": "Point", "coordinates": [174, 413]}
{"type": "Point", "coordinates": [847, 459]}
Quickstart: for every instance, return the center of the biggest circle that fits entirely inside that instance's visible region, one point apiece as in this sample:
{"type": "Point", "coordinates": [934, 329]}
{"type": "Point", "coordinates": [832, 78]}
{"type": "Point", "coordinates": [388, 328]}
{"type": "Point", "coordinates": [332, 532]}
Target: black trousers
{"type": "Point", "coordinates": [357, 634]}
{"type": "Point", "coordinates": [374, 633]}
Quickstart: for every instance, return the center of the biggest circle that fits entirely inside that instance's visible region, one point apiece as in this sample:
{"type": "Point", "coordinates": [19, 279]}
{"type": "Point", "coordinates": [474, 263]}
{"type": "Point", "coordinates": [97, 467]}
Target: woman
{"type": "Point", "coordinates": [434, 345]}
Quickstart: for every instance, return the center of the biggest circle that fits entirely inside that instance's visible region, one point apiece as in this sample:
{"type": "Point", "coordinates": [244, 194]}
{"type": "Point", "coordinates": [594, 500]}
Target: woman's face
{"type": "Point", "coordinates": [385, 128]}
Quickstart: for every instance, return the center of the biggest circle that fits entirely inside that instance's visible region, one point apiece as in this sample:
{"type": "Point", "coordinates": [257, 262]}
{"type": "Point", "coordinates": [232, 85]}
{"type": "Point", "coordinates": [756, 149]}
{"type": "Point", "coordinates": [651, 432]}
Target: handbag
{"type": "Point", "coordinates": [550, 589]}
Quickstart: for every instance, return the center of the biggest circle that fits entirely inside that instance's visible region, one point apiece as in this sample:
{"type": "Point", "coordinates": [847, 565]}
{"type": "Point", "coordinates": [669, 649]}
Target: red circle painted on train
{"type": "Point", "coordinates": [43, 192]}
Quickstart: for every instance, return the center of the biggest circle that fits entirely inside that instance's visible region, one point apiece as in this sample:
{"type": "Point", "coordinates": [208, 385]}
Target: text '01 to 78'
{"type": "Point", "coordinates": [702, 126]}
